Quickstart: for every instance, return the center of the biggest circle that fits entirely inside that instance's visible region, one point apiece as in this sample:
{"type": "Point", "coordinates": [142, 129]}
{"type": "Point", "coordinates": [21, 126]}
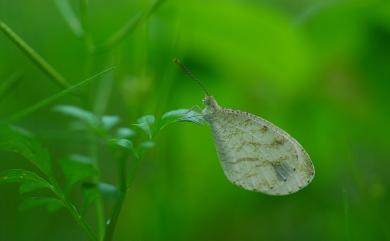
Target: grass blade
{"type": "Point", "coordinates": [70, 17]}
{"type": "Point", "coordinates": [34, 56]}
{"type": "Point", "coordinates": [9, 84]}
{"type": "Point", "coordinates": [52, 98]}
{"type": "Point", "coordinates": [130, 26]}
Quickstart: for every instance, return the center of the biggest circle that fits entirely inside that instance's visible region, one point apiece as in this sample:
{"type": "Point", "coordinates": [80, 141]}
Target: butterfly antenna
{"type": "Point", "coordinates": [190, 74]}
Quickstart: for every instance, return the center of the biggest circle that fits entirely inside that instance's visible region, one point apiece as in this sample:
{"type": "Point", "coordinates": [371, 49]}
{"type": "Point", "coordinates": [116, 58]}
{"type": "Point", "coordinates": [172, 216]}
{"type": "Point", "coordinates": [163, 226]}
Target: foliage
{"type": "Point", "coordinates": [81, 169]}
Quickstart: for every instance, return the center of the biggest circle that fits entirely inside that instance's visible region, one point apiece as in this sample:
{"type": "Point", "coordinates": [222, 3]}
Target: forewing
{"type": "Point", "coordinates": [257, 155]}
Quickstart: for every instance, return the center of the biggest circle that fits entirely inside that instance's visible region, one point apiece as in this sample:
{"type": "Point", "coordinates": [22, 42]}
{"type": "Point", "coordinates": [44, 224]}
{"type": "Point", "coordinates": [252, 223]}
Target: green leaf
{"type": "Point", "coordinates": [108, 191]}
{"type": "Point", "coordinates": [77, 168]}
{"type": "Point", "coordinates": [93, 191]}
{"type": "Point", "coordinates": [124, 143]}
{"type": "Point", "coordinates": [31, 186]}
{"type": "Point", "coordinates": [146, 145]}
{"type": "Point", "coordinates": [125, 133]}
{"type": "Point", "coordinates": [109, 121]}
{"type": "Point", "coordinates": [146, 123]}
{"type": "Point", "coordinates": [87, 117]}
{"type": "Point", "coordinates": [20, 176]}
{"type": "Point", "coordinates": [19, 142]}
{"type": "Point", "coordinates": [52, 204]}
{"type": "Point", "coordinates": [29, 180]}
{"type": "Point", "coordinates": [90, 195]}
{"type": "Point", "coordinates": [180, 115]}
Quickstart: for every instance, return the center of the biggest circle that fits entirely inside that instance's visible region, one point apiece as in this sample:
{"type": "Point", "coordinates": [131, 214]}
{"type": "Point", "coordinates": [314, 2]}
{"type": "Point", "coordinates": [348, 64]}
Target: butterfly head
{"type": "Point", "coordinates": [210, 103]}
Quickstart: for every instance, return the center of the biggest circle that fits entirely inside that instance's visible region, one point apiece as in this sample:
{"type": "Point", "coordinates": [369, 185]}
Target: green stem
{"type": "Point", "coordinates": [88, 41]}
{"type": "Point", "coordinates": [70, 17]}
{"type": "Point", "coordinates": [75, 214]}
{"type": "Point", "coordinates": [9, 84]}
{"type": "Point", "coordinates": [34, 56]}
{"type": "Point", "coordinates": [111, 225]}
{"type": "Point", "coordinates": [50, 99]}
{"type": "Point", "coordinates": [123, 183]}
{"type": "Point", "coordinates": [99, 203]}
{"type": "Point", "coordinates": [130, 26]}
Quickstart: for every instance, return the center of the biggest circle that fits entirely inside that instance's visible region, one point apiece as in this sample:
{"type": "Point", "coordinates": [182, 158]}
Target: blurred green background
{"type": "Point", "coordinates": [318, 69]}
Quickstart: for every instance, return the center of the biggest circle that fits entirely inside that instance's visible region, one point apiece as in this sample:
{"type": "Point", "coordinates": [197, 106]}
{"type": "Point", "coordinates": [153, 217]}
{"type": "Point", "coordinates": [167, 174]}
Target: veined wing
{"type": "Point", "coordinates": [257, 155]}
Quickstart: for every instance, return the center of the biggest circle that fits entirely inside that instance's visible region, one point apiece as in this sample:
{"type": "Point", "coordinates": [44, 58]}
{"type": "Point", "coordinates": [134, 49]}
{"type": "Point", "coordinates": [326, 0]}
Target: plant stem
{"type": "Point", "coordinates": [70, 17]}
{"type": "Point", "coordinates": [75, 214]}
{"type": "Point", "coordinates": [123, 184]}
{"type": "Point", "coordinates": [88, 41]}
{"type": "Point", "coordinates": [130, 26]}
{"type": "Point", "coordinates": [9, 84]}
{"type": "Point", "coordinates": [34, 56]}
{"type": "Point", "coordinates": [50, 99]}
{"type": "Point", "coordinates": [99, 204]}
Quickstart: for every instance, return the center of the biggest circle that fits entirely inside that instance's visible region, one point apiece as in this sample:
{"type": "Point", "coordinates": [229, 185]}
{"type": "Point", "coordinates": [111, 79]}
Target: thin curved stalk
{"type": "Point", "coordinates": [50, 99]}
{"type": "Point", "coordinates": [130, 26]}
{"type": "Point", "coordinates": [34, 56]}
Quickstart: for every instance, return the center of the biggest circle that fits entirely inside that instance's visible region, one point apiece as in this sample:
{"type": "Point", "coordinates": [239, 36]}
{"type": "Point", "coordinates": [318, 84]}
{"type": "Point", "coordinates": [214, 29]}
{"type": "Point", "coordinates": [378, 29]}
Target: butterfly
{"type": "Point", "coordinates": [254, 153]}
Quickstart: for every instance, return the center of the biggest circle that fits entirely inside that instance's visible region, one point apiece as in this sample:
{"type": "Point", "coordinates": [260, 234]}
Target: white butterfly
{"type": "Point", "coordinates": [254, 153]}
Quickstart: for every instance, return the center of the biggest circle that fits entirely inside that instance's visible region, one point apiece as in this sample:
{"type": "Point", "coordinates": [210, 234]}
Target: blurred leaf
{"type": "Point", "coordinates": [76, 112]}
{"type": "Point", "coordinates": [90, 195]}
{"type": "Point", "coordinates": [70, 17]}
{"type": "Point", "coordinates": [174, 116]}
{"type": "Point", "coordinates": [109, 121]}
{"type": "Point", "coordinates": [77, 168]}
{"type": "Point", "coordinates": [31, 186]}
{"type": "Point", "coordinates": [146, 145]}
{"type": "Point", "coordinates": [19, 175]}
{"type": "Point", "coordinates": [124, 143]}
{"type": "Point", "coordinates": [19, 142]}
{"type": "Point", "coordinates": [29, 180]}
{"type": "Point", "coordinates": [93, 191]}
{"type": "Point", "coordinates": [52, 204]}
{"type": "Point", "coordinates": [146, 123]}
{"type": "Point", "coordinates": [125, 133]}
{"type": "Point", "coordinates": [108, 191]}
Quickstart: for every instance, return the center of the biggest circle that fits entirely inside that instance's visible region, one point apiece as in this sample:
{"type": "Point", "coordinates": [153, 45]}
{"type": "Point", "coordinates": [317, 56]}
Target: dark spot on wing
{"type": "Point", "coordinates": [264, 129]}
{"type": "Point", "coordinates": [278, 141]}
{"type": "Point", "coordinates": [282, 170]}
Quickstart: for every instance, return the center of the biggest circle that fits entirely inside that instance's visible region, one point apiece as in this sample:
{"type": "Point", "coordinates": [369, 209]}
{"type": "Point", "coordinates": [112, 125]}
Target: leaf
{"type": "Point", "coordinates": [125, 133]}
{"type": "Point", "coordinates": [76, 112]}
{"type": "Point", "coordinates": [29, 180]}
{"type": "Point", "coordinates": [19, 142]}
{"type": "Point", "coordinates": [146, 145]}
{"type": "Point", "coordinates": [77, 168]}
{"type": "Point", "coordinates": [31, 186]}
{"type": "Point", "coordinates": [20, 176]}
{"type": "Point", "coordinates": [108, 191]}
{"type": "Point", "coordinates": [146, 123]}
{"type": "Point", "coordinates": [90, 195]}
{"type": "Point", "coordinates": [143, 146]}
{"type": "Point", "coordinates": [52, 204]}
{"type": "Point", "coordinates": [125, 144]}
{"type": "Point", "coordinates": [92, 191]}
{"type": "Point", "coordinates": [109, 121]}
{"type": "Point", "coordinates": [174, 116]}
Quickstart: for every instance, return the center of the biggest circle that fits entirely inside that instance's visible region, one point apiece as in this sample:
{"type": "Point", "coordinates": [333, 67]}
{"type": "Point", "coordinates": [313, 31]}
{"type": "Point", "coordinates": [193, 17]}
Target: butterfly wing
{"type": "Point", "coordinates": [257, 155]}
